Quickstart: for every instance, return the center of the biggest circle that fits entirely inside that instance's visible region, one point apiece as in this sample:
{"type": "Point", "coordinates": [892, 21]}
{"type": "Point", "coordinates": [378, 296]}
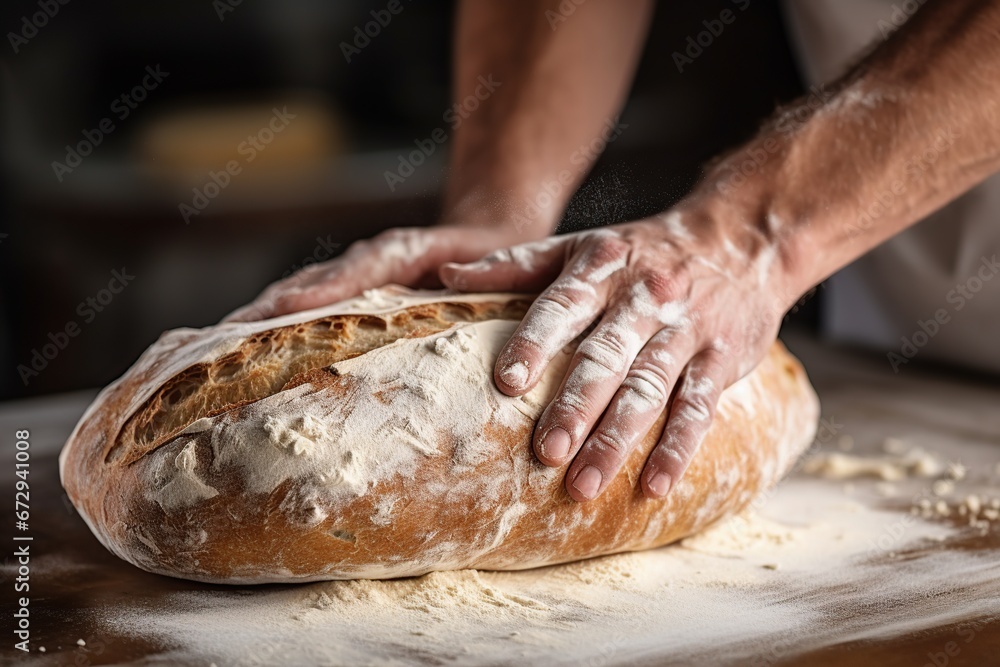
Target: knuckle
{"type": "Point", "coordinates": [674, 455]}
{"type": "Point", "coordinates": [607, 348]}
{"type": "Point", "coordinates": [609, 444]}
{"type": "Point", "coordinates": [649, 383]}
{"type": "Point", "coordinates": [694, 408]}
{"type": "Point", "coordinates": [608, 247]}
{"type": "Point", "coordinates": [604, 256]}
{"type": "Point", "coordinates": [665, 287]}
{"type": "Point", "coordinates": [557, 301]}
{"type": "Point", "coordinates": [557, 298]}
{"type": "Point", "coordinates": [575, 402]}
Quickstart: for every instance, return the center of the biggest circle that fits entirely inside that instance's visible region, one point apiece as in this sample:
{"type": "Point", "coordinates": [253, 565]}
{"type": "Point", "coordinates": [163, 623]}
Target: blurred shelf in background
{"type": "Point", "coordinates": [173, 99]}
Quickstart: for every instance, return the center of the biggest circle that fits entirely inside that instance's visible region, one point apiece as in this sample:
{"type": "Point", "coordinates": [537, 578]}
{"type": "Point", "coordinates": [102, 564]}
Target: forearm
{"type": "Point", "coordinates": [915, 125]}
{"type": "Point", "coordinates": [560, 83]}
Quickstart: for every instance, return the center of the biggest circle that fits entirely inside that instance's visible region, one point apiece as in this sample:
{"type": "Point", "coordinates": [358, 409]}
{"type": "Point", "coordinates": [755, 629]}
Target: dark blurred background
{"type": "Point", "coordinates": [218, 69]}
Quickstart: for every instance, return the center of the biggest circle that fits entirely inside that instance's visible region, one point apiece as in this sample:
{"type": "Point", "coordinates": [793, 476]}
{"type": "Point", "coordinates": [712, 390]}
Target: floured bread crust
{"type": "Point", "coordinates": [367, 440]}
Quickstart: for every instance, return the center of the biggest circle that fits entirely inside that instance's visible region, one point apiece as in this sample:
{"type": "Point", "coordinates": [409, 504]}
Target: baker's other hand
{"type": "Point", "coordinates": [406, 256]}
{"type": "Point", "coordinates": [683, 305]}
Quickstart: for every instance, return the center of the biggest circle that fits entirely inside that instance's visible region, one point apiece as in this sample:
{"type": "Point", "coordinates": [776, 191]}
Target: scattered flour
{"type": "Point", "coordinates": [796, 568]}
{"type": "Point", "coordinates": [811, 569]}
{"type": "Point", "coordinates": [837, 465]}
{"type": "Point", "coordinates": [182, 486]}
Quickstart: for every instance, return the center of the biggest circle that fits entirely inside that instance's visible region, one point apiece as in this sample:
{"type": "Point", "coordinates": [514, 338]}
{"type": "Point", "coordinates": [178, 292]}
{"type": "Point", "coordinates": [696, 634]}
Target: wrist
{"type": "Point", "coordinates": [749, 229]}
{"type": "Point", "coordinates": [514, 214]}
{"type": "Point", "coordinates": [774, 197]}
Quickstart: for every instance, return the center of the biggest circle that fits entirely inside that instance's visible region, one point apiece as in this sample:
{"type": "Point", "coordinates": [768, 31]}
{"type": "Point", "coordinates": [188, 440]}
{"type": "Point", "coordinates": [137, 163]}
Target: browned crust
{"type": "Point", "coordinates": [251, 541]}
{"type": "Point", "coordinates": [257, 369]}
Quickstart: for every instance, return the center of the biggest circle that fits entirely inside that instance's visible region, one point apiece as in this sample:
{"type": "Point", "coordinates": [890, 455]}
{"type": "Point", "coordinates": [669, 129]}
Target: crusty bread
{"type": "Point", "coordinates": [367, 440]}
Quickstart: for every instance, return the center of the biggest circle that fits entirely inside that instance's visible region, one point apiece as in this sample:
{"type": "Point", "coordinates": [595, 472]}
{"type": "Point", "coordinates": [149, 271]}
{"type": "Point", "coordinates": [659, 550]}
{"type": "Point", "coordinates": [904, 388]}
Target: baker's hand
{"type": "Point", "coordinates": [683, 305]}
{"type": "Point", "coordinates": [408, 256]}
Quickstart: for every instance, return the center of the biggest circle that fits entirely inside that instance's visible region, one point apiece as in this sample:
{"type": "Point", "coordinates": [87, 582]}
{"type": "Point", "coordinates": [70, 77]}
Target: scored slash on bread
{"type": "Point", "coordinates": [367, 440]}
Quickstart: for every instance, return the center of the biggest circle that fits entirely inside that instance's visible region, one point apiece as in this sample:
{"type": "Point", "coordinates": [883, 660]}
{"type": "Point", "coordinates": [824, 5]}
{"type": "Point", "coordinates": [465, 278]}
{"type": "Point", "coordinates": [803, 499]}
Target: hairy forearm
{"type": "Point", "coordinates": [913, 126]}
{"type": "Point", "coordinates": [562, 79]}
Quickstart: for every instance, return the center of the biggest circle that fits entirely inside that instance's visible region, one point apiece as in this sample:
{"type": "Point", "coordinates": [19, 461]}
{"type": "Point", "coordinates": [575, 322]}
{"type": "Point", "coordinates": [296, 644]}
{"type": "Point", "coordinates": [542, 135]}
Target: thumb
{"type": "Point", "coordinates": [529, 267]}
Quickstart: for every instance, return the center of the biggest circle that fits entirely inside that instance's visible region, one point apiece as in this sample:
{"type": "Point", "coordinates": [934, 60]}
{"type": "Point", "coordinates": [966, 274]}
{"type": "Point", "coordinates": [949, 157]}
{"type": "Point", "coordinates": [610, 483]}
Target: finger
{"type": "Point", "coordinates": [339, 282]}
{"type": "Point", "coordinates": [638, 401]}
{"type": "Point", "coordinates": [523, 268]}
{"type": "Point", "coordinates": [691, 414]}
{"type": "Point", "coordinates": [569, 418]}
{"type": "Point", "coordinates": [293, 293]}
{"type": "Point", "coordinates": [560, 314]}
{"type": "Point", "coordinates": [396, 256]}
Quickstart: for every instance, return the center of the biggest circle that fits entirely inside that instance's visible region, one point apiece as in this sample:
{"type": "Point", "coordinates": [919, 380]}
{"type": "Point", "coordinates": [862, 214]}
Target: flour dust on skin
{"type": "Point", "coordinates": [644, 334]}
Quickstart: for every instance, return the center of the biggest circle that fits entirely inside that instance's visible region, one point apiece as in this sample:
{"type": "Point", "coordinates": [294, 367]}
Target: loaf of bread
{"type": "Point", "coordinates": [367, 440]}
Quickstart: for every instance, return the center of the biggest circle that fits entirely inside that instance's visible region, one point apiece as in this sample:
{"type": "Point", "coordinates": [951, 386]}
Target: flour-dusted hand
{"type": "Point", "coordinates": [682, 306]}
{"type": "Point", "coordinates": [408, 257]}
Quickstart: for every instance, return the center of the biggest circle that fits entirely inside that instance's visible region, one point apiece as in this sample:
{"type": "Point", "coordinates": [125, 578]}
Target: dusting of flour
{"type": "Point", "coordinates": [795, 568]}
{"type": "Point", "coordinates": [864, 548]}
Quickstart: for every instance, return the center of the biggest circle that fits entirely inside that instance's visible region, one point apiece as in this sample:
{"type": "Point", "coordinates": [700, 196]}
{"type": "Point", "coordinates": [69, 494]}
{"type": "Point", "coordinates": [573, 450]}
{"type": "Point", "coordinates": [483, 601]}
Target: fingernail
{"type": "Point", "coordinates": [515, 374]}
{"type": "Point", "coordinates": [555, 444]}
{"type": "Point", "coordinates": [588, 482]}
{"type": "Point", "coordinates": [659, 484]}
